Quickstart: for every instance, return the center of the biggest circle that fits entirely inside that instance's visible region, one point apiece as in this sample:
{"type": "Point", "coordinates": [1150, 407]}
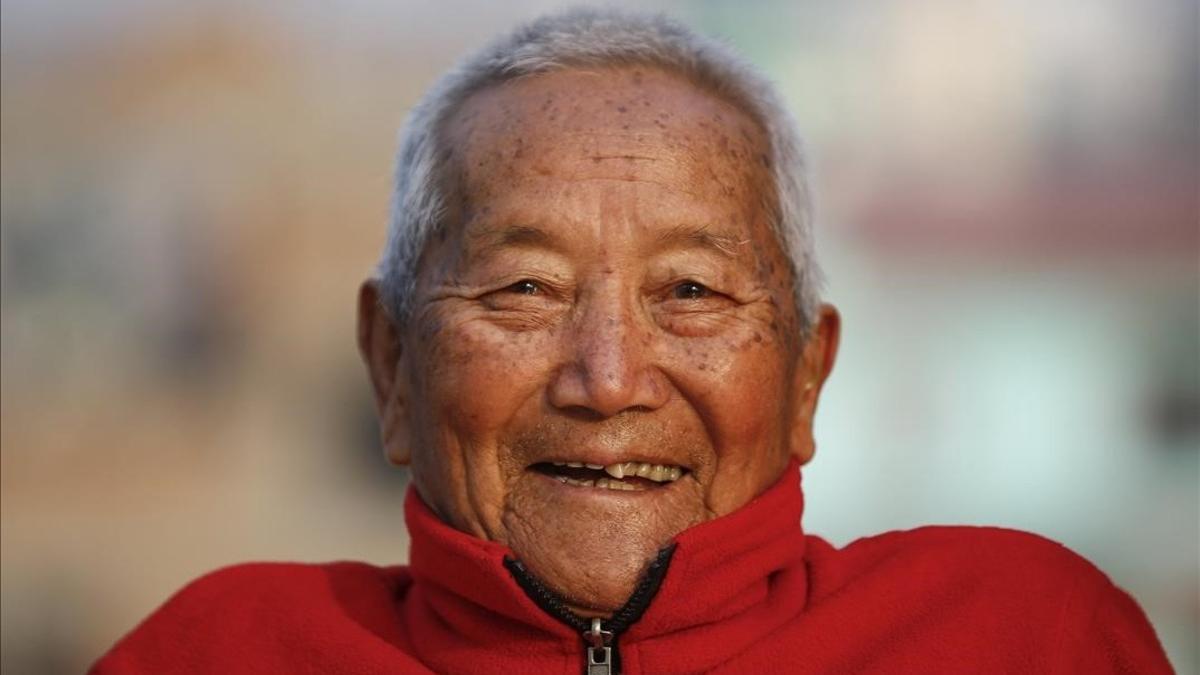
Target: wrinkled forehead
{"type": "Point", "coordinates": [627, 123]}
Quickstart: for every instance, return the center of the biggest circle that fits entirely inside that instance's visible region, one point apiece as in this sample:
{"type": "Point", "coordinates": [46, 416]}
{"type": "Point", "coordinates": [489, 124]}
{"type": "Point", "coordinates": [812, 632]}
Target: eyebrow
{"type": "Point", "coordinates": [680, 236]}
{"type": "Point", "coordinates": [513, 235]}
{"type": "Point", "coordinates": [702, 236]}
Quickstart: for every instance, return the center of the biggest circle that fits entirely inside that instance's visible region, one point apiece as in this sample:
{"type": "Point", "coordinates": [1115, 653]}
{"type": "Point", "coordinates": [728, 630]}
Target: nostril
{"type": "Point", "coordinates": [582, 413]}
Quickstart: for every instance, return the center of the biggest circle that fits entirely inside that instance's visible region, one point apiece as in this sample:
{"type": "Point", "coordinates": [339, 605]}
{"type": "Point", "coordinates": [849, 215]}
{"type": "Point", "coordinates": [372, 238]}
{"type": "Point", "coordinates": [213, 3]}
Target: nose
{"type": "Point", "coordinates": [610, 362]}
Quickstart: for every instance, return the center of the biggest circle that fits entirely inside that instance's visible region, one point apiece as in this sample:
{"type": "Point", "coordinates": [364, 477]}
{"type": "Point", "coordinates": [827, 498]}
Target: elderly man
{"type": "Point", "coordinates": [596, 339]}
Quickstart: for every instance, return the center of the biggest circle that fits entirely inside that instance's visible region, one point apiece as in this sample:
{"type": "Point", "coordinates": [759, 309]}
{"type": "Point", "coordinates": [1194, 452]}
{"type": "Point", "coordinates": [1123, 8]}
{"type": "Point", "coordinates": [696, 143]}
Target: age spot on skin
{"type": "Point", "coordinates": [748, 343]}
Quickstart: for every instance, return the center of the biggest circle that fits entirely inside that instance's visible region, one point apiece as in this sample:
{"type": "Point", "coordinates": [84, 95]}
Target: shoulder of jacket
{"type": "Point", "coordinates": [245, 577]}
{"type": "Point", "coordinates": [249, 610]}
{"type": "Point", "coordinates": [248, 577]}
{"type": "Point", "coordinates": [256, 589]}
{"type": "Point", "coordinates": [976, 556]}
{"type": "Point", "coordinates": [983, 545]}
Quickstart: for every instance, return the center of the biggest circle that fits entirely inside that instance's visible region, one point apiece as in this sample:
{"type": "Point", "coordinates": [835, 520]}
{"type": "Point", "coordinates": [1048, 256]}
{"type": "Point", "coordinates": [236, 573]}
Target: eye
{"type": "Point", "coordinates": [524, 287]}
{"type": "Point", "coordinates": [518, 304]}
{"type": "Point", "coordinates": [690, 290]}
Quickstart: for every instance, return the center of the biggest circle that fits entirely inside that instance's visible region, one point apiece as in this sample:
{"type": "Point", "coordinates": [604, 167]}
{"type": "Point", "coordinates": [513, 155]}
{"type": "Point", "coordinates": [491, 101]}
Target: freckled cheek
{"type": "Point", "coordinates": [478, 377]}
{"type": "Point", "coordinates": [740, 392]}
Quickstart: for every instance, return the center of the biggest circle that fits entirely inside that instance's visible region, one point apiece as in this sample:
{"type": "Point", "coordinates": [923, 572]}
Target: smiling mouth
{"type": "Point", "coordinates": [631, 476]}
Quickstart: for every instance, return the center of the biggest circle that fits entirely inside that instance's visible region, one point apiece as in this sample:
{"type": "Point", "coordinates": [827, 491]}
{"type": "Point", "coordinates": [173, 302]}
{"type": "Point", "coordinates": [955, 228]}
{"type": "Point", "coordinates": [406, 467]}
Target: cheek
{"type": "Point", "coordinates": [470, 382]}
{"type": "Point", "coordinates": [475, 377]}
{"type": "Point", "coordinates": [738, 385]}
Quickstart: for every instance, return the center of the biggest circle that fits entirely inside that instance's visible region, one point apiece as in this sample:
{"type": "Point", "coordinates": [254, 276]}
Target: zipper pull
{"type": "Point", "coordinates": [599, 649]}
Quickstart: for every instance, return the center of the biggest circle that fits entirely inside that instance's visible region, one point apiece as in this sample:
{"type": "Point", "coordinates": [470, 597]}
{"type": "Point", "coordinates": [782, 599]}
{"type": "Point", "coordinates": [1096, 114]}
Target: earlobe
{"type": "Point", "coordinates": [816, 362]}
{"type": "Point", "coordinates": [394, 433]}
{"type": "Point", "coordinates": [381, 348]}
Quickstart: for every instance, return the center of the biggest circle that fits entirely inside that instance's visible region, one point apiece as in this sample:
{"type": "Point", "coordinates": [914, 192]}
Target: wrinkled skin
{"type": "Point", "coordinates": [609, 290]}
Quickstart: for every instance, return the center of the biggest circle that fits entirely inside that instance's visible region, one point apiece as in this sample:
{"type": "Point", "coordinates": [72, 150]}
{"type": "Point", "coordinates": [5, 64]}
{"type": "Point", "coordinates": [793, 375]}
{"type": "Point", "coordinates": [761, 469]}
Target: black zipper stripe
{"type": "Point", "coordinates": [543, 597]}
{"type": "Point", "coordinates": [647, 588]}
{"type": "Point", "coordinates": [633, 609]}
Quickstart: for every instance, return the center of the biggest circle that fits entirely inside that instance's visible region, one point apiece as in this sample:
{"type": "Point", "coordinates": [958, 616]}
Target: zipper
{"type": "Point", "coordinates": [600, 653]}
{"type": "Point", "coordinates": [598, 649]}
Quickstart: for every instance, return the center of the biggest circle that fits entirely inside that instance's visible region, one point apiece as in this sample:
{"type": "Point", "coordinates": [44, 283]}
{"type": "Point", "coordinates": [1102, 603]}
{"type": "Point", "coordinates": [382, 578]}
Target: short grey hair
{"type": "Point", "coordinates": [590, 38]}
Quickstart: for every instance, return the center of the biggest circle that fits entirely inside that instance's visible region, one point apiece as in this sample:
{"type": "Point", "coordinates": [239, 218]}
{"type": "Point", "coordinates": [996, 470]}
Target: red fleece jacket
{"type": "Point", "coordinates": [746, 593]}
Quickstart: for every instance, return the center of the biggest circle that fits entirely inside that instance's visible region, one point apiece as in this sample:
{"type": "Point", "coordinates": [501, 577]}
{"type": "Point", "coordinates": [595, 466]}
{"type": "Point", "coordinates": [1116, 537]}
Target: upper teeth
{"type": "Point", "coordinates": [659, 473]}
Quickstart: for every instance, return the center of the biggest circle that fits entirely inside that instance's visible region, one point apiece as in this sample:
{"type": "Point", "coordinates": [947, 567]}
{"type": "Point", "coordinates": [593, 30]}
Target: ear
{"type": "Point", "coordinates": [379, 344]}
{"type": "Point", "coordinates": [816, 362]}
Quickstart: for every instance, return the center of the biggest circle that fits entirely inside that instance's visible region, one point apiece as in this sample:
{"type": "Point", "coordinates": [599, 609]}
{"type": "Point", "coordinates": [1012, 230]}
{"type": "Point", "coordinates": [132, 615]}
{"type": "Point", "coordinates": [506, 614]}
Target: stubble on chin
{"type": "Point", "coordinates": [592, 552]}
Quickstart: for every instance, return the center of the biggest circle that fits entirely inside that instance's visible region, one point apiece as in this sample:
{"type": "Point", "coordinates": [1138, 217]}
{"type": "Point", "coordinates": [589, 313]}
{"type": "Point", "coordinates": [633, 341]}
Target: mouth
{"type": "Point", "coordinates": [628, 476]}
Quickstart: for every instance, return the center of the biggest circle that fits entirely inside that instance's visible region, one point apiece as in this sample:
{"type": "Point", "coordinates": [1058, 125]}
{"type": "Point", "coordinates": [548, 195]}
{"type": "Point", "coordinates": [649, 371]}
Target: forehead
{"type": "Point", "coordinates": [629, 124]}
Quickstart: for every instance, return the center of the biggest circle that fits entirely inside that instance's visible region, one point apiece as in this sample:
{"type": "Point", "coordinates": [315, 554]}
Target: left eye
{"type": "Point", "coordinates": [690, 290]}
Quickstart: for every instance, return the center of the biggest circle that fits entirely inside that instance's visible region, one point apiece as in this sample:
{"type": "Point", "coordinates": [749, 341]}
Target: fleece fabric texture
{"type": "Point", "coordinates": [745, 593]}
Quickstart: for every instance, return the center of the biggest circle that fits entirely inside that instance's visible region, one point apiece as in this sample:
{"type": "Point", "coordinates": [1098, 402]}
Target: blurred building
{"type": "Point", "coordinates": [1009, 211]}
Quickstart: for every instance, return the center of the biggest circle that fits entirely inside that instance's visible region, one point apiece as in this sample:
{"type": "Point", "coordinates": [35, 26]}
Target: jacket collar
{"type": "Point", "coordinates": [745, 568]}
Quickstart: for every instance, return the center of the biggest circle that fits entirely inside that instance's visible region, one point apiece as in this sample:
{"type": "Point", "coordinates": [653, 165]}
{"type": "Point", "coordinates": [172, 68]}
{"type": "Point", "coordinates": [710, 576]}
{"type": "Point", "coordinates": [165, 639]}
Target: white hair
{"type": "Point", "coordinates": [590, 38]}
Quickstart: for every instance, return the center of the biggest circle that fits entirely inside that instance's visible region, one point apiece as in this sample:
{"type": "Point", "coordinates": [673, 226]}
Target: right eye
{"type": "Point", "coordinates": [690, 290]}
{"type": "Point", "coordinates": [524, 287]}
{"type": "Point", "coordinates": [527, 304]}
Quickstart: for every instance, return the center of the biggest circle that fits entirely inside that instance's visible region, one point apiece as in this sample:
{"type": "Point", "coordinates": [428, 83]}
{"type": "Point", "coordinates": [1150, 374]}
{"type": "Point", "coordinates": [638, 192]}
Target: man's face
{"type": "Point", "coordinates": [611, 296]}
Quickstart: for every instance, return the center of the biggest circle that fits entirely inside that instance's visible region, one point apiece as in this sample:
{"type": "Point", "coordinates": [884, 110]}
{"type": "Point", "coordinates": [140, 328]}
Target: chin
{"type": "Point", "coordinates": [589, 545]}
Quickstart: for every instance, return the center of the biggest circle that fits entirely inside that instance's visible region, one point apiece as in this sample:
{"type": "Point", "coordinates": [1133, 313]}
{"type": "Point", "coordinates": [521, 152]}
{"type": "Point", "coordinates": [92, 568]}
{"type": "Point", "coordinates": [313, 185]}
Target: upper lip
{"type": "Point", "coordinates": [609, 458]}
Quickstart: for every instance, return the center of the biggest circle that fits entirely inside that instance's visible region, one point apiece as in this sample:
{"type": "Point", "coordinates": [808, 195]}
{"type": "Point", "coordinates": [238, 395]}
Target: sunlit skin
{"type": "Point", "coordinates": [608, 289]}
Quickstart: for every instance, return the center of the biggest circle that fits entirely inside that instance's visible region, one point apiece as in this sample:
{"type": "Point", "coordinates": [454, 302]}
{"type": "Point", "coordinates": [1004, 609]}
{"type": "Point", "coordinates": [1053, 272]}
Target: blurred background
{"type": "Point", "coordinates": [191, 192]}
